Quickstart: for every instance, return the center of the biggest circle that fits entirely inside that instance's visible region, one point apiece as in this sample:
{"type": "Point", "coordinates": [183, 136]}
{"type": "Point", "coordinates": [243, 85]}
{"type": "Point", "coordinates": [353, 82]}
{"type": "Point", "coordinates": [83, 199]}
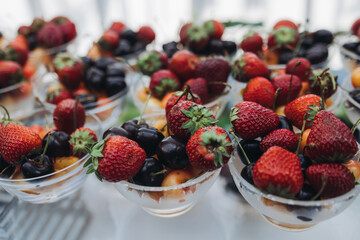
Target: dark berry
{"type": "Point", "coordinates": [307, 41]}
{"type": "Point", "coordinates": [59, 145]}
{"type": "Point", "coordinates": [172, 152]}
{"type": "Point", "coordinates": [230, 47]}
{"type": "Point", "coordinates": [323, 36]}
{"type": "Point", "coordinates": [149, 139]}
{"type": "Point", "coordinates": [114, 85]}
{"type": "Point", "coordinates": [95, 79]}
{"type": "Point", "coordinates": [129, 35]}
{"type": "Point", "coordinates": [317, 53]}
{"type": "Point", "coordinates": [352, 46]}
{"type": "Point", "coordinates": [9, 171]}
{"type": "Point", "coordinates": [355, 94]}
{"type": "Point", "coordinates": [31, 41]}
{"type": "Point", "coordinates": [216, 46]}
{"type": "Point", "coordinates": [33, 168]}
{"type": "Point", "coordinates": [170, 48]}
{"type": "Point", "coordinates": [285, 123]}
{"type": "Point", "coordinates": [116, 69]}
{"type": "Point", "coordinates": [89, 101]}
{"type": "Point", "coordinates": [252, 150]}
{"type": "Point", "coordinates": [88, 62]}
{"type": "Point", "coordinates": [116, 131]}
{"type": "Point", "coordinates": [306, 193]}
{"type": "Point", "coordinates": [103, 62]}
{"type": "Point", "coordinates": [286, 56]}
{"type": "Point", "coordinates": [150, 174]}
{"type": "Point", "coordinates": [138, 47]}
{"type": "Point", "coordinates": [123, 48]}
{"type": "Point", "coordinates": [305, 162]}
{"type": "Point", "coordinates": [132, 128]}
{"type": "Point", "coordinates": [301, 52]}
{"type": "Point", "coordinates": [247, 173]}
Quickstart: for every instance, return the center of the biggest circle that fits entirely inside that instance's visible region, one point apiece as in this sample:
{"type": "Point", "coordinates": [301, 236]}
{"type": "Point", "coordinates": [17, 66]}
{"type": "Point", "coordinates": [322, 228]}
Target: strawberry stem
{"type": "Point", "coordinates": [275, 98]}
{"type": "Point", "coordinates": [301, 134]}
{"type": "Point", "coordinates": [6, 112]}
{"type": "Point", "coordinates": [185, 92]}
{"type": "Point", "coordinates": [45, 148]}
{"type": "Point", "coordinates": [143, 111]}
{"type": "Point", "coordinates": [220, 83]}
{"type": "Point", "coordinates": [231, 131]}
{"type": "Point", "coordinates": [355, 126]}
{"type": "Point", "coordinates": [292, 74]}
{"type": "Point", "coordinates": [324, 180]}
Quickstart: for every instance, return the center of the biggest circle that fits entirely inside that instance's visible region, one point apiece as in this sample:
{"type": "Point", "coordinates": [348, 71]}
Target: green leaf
{"type": "Point", "coordinates": [95, 163]}
{"type": "Point", "coordinates": [97, 174]}
{"type": "Point", "coordinates": [87, 163]}
{"type": "Point", "coordinates": [90, 170]}
{"type": "Point", "coordinates": [233, 114]}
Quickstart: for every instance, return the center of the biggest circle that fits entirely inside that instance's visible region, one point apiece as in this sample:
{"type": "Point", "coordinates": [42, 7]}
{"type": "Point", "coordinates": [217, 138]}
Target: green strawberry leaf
{"type": "Point", "coordinates": [234, 114]}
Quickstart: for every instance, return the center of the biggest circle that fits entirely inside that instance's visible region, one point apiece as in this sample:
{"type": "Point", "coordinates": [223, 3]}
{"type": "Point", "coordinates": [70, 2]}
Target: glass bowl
{"type": "Point", "coordinates": [349, 59]}
{"type": "Point", "coordinates": [140, 81]}
{"type": "Point", "coordinates": [170, 201]}
{"type": "Point", "coordinates": [107, 110]}
{"type": "Point", "coordinates": [18, 99]}
{"type": "Point", "coordinates": [55, 186]}
{"type": "Point", "coordinates": [288, 214]}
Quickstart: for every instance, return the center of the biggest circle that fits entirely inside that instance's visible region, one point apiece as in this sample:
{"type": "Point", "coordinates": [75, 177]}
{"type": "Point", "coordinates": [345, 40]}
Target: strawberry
{"type": "Point", "coordinates": [183, 64]}
{"type": "Point", "coordinates": [183, 33]}
{"type": "Point", "coordinates": [109, 40]}
{"type": "Point", "coordinates": [199, 87]}
{"type": "Point", "coordinates": [24, 31]}
{"type": "Point", "coordinates": [117, 27]}
{"type": "Point", "coordinates": [252, 42]}
{"type": "Point", "coordinates": [175, 96]}
{"type": "Point", "coordinates": [214, 28]}
{"type": "Point", "coordinates": [37, 128]}
{"type": "Point", "coordinates": [209, 148]}
{"type": "Point", "coordinates": [163, 82]}
{"type": "Point", "coordinates": [70, 71]}
{"type": "Point", "coordinates": [261, 91]}
{"type": "Point", "coordinates": [337, 178]}
{"type": "Point", "coordinates": [66, 119]}
{"type": "Point", "coordinates": [57, 95]}
{"type": "Point", "coordinates": [150, 62]}
{"type": "Point", "coordinates": [115, 159]}
{"type": "Point", "coordinates": [146, 34]}
{"type": "Point", "coordinates": [216, 71]}
{"type": "Point", "coordinates": [355, 27]}
{"type": "Point", "coordinates": [323, 82]}
{"type": "Point", "coordinates": [330, 140]}
{"type": "Point", "coordinates": [285, 23]}
{"type": "Point", "coordinates": [17, 141]}
{"type": "Point", "coordinates": [283, 81]}
{"type": "Point", "coordinates": [248, 66]}
{"type": "Point", "coordinates": [283, 37]}
{"type": "Point", "coordinates": [303, 71]}
{"type": "Point", "coordinates": [197, 38]}
{"type": "Point", "coordinates": [81, 141]}
{"type": "Point", "coordinates": [278, 172]}
{"type": "Point", "coordinates": [37, 24]}
{"type": "Point", "coordinates": [296, 110]}
{"type": "Point", "coordinates": [50, 36]}
{"type": "Point", "coordinates": [10, 73]}
{"type": "Point", "coordinates": [66, 26]}
{"type": "Point", "coordinates": [17, 53]}
{"type": "Point", "coordinates": [251, 120]}
{"type": "Point", "coordinates": [280, 137]}
{"type": "Point", "coordinates": [186, 117]}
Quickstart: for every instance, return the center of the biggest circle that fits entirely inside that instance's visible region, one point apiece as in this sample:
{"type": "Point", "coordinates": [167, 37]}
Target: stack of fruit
{"type": "Point", "coordinates": [202, 39]}
{"type": "Point", "coordinates": [207, 78]}
{"type": "Point", "coordinates": [350, 47]}
{"type": "Point", "coordinates": [121, 41]}
{"type": "Point", "coordinates": [285, 43]}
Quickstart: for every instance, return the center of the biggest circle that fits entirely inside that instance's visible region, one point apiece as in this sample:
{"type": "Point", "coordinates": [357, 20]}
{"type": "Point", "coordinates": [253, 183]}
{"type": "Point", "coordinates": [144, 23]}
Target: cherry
{"type": "Point", "coordinates": [252, 150]}
{"type": "Point", "coordinates": [34, 168]}
{"type": "Point", "coordinates": [305, 162]}
{"type": "Point", "coordinates": [306, 193]}
{"type": "Point", "coordinates": [9, 168]}
{"type": "Point", "coordinates": [59, 145]}
{"type": "Point", "coordinates": [116, 131]}
{"type": "Point", "coordinates": [172, 152]}
{"type": "Point", "coordinates": [132, 128]}
{"type": "Point", "coordinates": [285, 123]}
{"type": "Point", "coordinates": [150, 174]}
{"type": "Point", "coordinates": [247, 173]}
{"type": "Point", "coordinates": [149, 139]}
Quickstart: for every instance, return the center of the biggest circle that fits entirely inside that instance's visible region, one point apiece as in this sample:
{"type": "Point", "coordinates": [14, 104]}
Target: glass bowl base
{"type": "Point", "coordinates": [287, 226]}
{"type": "Point", "coordinates": [169, 213]}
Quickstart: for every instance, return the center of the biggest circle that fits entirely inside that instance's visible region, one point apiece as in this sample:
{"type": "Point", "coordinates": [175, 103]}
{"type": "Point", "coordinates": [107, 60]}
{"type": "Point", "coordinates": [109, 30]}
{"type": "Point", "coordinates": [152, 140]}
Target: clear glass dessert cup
{"type": "Point", "coordinates": [55, 186]}
{"type": "Point", "coordinates": [349, 59]}
{"type": "Point", "coordinates": [169, 201]}
{"type": "Point", "coordinates": [288, 214]}
{"type": "Point", "coordinates": [140, 81]}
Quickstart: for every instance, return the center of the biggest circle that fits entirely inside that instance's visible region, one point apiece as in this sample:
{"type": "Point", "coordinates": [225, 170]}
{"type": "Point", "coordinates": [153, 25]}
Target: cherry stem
{"type": "Point", "coordinates": [275, 98]}
{"type": "Point", "coordinates": [6, 112]}
{"type": "Point", "coordinates": [45, 148]}
{"type": "Point", "coordinates": [185, 92]}
{"type": "Point", "coordinates": [196, 176]}
{"type": "Point", "coordinates": [231, 131]}
{"type": "Point", "coordinates": [324, 180]}
{"type": "Point", "coordinates": [143, 111]}
{"type": "Point", "coordinates": [75, 112]}
{"type": "Point", "coordinates": [291, 78]}
{"type": "Point", "coordinates": [157, 173]}
{"type": "Point", "coordinates": [163, 127]}
{"type": "Point", "coordinates": [301, 134]}
{"type": "Point", "coordinates": [355, 126]}
{"type": "Point", "coordinates": [1, 173]}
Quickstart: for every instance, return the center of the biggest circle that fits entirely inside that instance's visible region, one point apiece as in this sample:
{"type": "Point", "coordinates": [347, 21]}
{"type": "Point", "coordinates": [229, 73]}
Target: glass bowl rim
{"type": "Point", "coordinates": [340, 41]}
{"type": "Point", "coordinates": [13, 87]}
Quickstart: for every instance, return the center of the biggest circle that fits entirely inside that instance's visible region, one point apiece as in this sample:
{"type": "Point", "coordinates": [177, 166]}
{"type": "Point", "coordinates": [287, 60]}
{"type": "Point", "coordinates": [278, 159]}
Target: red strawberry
{"type": "Point", "coordinates": [216, 71]}
{"type": "Point", "coordinates": [57, 95]}
{"type": "Point", "coordinates": [261, 91]}
{"type": "Point", "coordinates": [24, 31]}
{"type": "Point", "coordinates": [17, 141]}
{"type": "Point", "coordinates": [183, 33]}
{"type": "Point", "coordinates": [323, 82]}
{"type": "Point", "coordinates": [283, 81]}
{"type": "Point", "coordinates": [37, 24]}
{"type": "Point", "coordinates": [303, 71]}
{"type": "Point", "coordinates": [175, 96]}
{"type": "Point", "coordinates": [285, 23]}
{"type": "Point", "coordinates": [199, 87]}
{"type": "Point", "coordinates": [283, 37]}
{"type": "Point", "coordinates": [183, 64]}
{"type": "Point", "coordinates": [186, 117]}
{"type": "Point", "coordinates": [330, 140]}
{"type": "Point", "coordinates": [280, 137]}
{"type": "Point", "coordinates": [146, 34]}
{"type": "Point", "coordinates": [109, 40]}
{"type": "Point", "coordinates": [163, 82]}
{"type": "Point", "coordinates": [82, 140]}
{"type": "Point", "coordinates": [50, 36]}
{"type": "Point", "coordinates": [150, 62]}
{"type": "Point", "coordinates": [17, 52]}
{"type": "Point", "coordinates": [64, 114]}
{"type": "Point", "coordinates": [278, 172]}
{"type": "Point", "coordinates": [214, 28]}
{"type": "Point", "coordinates": [117, 158]}
{"type": "Point", "coordinates": [118, 27]}
{"type": "Point", "coordinates": [251, 120]}
{"type": "Point", "coordinates": [252, 42]}
{"type": "Point", "coordinates": [209, 148]}
{"type": "Point", "coordinates": [197, 38]}
{"type": "Point", "coordinates": [337, 178]}
{"type": "Point", "coordinates": [355, 27]}
{"type": "Point", "coordinates": [70, 71]}
{"type": "Point", "coordinates": [249, 66]}
{"type": "Point", "coordinates": [10, 73]}
{"type": "Point", "coordinates": [67, 27]}
{"type": "Point", "coordinates": [296, 110]}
